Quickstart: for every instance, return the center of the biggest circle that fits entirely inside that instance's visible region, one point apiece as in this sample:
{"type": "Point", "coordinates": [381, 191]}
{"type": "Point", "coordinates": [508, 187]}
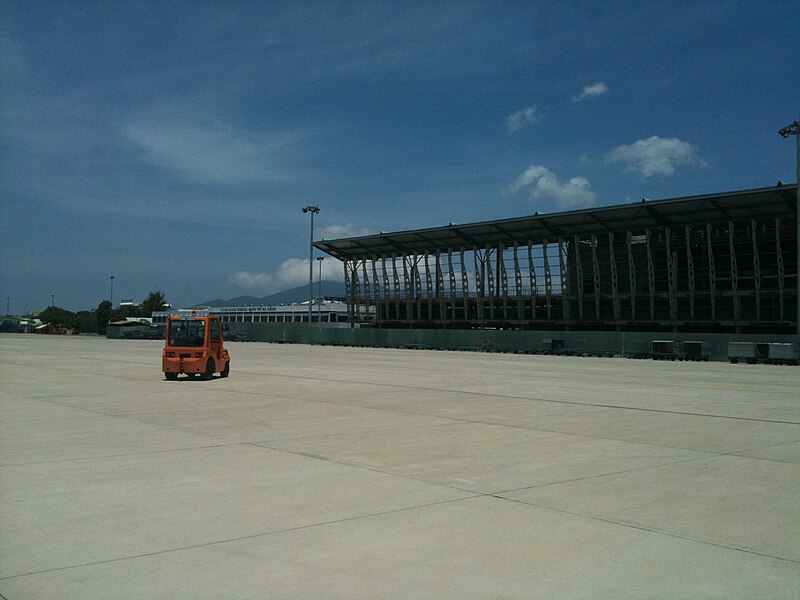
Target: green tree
{"type": "Point", "coordinates": [154, 302]}
{"type": "Point", "coordinates": [103, 314]}
{"type": "Point", "coordinates": [59, 317]}
{"type": "Point", "coordinates": [123, 312]}
{"type": "Point", "coordinates": [87, 321]}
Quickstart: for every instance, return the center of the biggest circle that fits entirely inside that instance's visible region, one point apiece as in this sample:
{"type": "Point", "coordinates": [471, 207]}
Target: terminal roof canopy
{"type": "Point", "coordinates": [695, 210]}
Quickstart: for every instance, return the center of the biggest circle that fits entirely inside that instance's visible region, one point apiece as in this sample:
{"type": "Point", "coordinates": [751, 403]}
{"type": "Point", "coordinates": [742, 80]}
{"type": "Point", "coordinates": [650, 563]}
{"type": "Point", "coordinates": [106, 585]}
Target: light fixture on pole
{"type": "Point", "coordinates": [319, 291]}
{"type": "Point", "coordinates": [112, 292]}
{"type": "Point", "coordinates": [313, 210]}
{"type": "Point", "coordinates": [794, 129]}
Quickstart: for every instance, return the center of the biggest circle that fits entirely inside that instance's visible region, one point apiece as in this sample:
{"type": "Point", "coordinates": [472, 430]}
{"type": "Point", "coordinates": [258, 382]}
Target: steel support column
{"type": "Point", "coordinates": [356, 288]}
{"type": "Point", "coordinates": [712, 272]}
{"type": "Point", "coordinates": [478, 282]}
{"type": "Point", "coordinates": [737, 316]}
{"type": "Point", "coordinates": [490, 279]}
{"type": "Point", "coordinates": [548, 281]}
{"type": "Point", "coordinates": [780, 265]}
{"type": "Point", "coordinates": [596, 271]}
{"type": "Point", "coordinates": [562, 265]}
{"type": "Point", "coordinates": [417, 280]}
{"type": "Point", "coordinates": [690, 270]}
{"type": "Point", "coordinates": [631, 274]}
{"type": "Point", "coordinates": [387, 295]}
{"type": "Point", "coordinates": [465, 282]}
{"type": "Point", "coordinates": [408, 286]}
{"type": "Point", "coordinates": [671, 279]}
{"type": "Point", "coordinates": [579, 275]}
{"type": "Point", "coordinates": [452, 278]}
{"type": "Point", "coordinates": [651, 276]}
{"type": "Point", "coordinates": [612, 261]}
{"type": "Point", "coordinates": [439, 294]}
{"type": "Point", "coordinates": [376, 288]}
{"type": "Point", "coordinates": [756, 268]}
{"type": "Point", "coordinates": [396, 281]}
{"type": "Point", "coordinates": [532, 277]}
{"type": "Point", "coordinates": [502, 278]}
{"type": "Point", "coordinates": [518, 284]}
{"type": "Point", "coordinates": [348, 287]}
{"type": "Point", "coordinates": [367, 290]}
{"type": "Point", "coordinates": [428, 285]}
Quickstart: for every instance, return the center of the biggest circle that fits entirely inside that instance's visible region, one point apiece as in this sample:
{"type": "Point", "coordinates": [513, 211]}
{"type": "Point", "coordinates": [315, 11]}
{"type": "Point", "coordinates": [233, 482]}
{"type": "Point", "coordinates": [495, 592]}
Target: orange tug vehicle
{"type": "Point", "coordinates": [195, 345]}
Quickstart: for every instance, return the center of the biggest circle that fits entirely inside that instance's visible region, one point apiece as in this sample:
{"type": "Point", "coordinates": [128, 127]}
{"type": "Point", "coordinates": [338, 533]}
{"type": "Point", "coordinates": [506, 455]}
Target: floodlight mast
{"type": "Point", "coordinates": [313, 210]}
{"type": "Point", "coordinates": [794, 129]}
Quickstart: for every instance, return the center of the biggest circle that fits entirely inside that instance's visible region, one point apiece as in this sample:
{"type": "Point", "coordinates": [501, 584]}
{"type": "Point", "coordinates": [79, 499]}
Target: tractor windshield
{"type": "Point", "coordinates": [186, 333]}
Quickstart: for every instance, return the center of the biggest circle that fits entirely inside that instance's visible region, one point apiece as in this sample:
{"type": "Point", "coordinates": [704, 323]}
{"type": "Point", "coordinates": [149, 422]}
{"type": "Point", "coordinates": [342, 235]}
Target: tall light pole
{"type": "Point", "coordinates": [794, 129]}
{"type": "Point", "coordinates": [313, 210]}
{"type": "Point", "coordinates": [112, 292]}
{"type": "Point", "coordinates": [52, 299]}
{"type": "Point", "coordinates": [319, 291]}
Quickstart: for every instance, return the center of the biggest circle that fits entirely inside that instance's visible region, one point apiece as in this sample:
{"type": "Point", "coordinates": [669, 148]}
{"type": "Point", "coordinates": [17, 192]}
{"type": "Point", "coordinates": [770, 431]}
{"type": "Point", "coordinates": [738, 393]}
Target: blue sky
{"type": "Point", "coordinates": [172, 145]}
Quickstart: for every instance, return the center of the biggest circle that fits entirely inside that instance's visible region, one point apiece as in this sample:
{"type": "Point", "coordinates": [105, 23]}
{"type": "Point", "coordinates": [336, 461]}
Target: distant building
{"type": "Point", "coordinates": [19, 325]}
{"type": "Point", "coordinates": [325, 312]}
{"type": "Point", "coordinates": [133, 328]}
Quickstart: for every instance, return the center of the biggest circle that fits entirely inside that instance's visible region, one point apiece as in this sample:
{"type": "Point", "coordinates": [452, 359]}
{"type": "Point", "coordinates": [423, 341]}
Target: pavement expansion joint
{"type": "Point", "coordinates": [654, 530]}
{"type": "Point", "coordinates": [125, 455]}
{"type": "Point", "coordinates": [240, 538]}
{"type": "Point", "coordinates": [533, 399]}
{"type": "Point", "coordinates": [612, 473]}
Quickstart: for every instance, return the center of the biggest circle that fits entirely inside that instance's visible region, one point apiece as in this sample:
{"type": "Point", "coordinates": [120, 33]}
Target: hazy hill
{"type": "Point", "coordinates": [298, 294]}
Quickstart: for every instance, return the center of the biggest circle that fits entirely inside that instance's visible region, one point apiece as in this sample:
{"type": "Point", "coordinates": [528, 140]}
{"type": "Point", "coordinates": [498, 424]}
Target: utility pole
{"type": "Point", "coordinates": [313, 210]}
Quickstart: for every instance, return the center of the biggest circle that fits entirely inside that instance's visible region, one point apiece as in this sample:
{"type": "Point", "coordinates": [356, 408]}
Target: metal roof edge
{"type": "Point", "coordinates": [321, 244]}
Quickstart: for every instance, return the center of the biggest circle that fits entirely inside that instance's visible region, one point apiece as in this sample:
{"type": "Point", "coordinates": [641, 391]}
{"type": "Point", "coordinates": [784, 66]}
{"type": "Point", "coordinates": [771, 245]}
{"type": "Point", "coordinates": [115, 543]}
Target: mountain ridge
{"type": "Point", "coordinates": [294, 295]}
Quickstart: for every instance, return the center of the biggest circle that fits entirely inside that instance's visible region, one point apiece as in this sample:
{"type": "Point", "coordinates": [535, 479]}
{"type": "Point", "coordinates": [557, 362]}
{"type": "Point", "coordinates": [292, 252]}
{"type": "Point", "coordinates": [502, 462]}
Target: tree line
{"type": "Point", "coordinates": [95, 321]}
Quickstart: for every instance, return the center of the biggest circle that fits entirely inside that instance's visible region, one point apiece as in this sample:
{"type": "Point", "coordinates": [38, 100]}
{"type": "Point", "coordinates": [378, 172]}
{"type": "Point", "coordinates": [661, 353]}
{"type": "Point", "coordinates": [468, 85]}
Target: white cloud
{"type": "Point", "coordinates": [590, 91]}
{"type": "Point", "coordinates": [335, 232]}
{"type": "Point", "coordinates": [251, 281]}
{"type": "Point", "coordinates": [205, 150]}
{"type": "Point", "coordinates": [655, 156]}
{"type": "Point", "coordinates": [291, 273]}
{"type": "Point", "coordinates": [523, 117]}
{"type": "Point", "coordinates": [544, 184]}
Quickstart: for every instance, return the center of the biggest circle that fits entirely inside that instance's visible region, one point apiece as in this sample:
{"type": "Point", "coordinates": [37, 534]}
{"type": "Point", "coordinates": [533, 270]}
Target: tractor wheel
{"type": "Point", "coordinates": [209, 372]}
{"type": "Point", "coordinates": [171, 376]}
{"type": "Point", "coordinates": [226, 371]}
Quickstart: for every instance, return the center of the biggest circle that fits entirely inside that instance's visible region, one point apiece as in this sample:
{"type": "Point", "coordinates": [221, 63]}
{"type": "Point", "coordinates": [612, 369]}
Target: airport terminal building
{"type": "Point", "coordinates": [331, 312]}
{"type": "Point", "coordinates": [718, 263]}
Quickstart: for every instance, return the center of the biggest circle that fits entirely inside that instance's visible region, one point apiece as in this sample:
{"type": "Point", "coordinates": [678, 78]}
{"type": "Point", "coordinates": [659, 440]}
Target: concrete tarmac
{"type": "Point", "coordinates": [328, 472]}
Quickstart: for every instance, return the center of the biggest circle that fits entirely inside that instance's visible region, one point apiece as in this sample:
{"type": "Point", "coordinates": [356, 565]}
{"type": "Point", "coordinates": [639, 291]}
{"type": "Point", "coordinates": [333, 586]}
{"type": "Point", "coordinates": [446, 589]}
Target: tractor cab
{"type": "Point", "coordinates": [194, 345]}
